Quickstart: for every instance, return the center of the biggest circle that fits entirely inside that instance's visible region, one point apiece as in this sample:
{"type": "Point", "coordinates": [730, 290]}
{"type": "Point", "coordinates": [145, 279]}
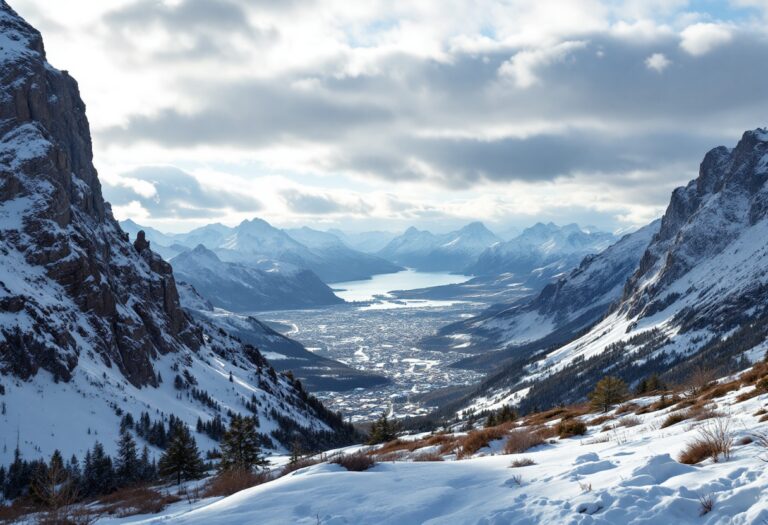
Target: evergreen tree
{"type": "Point", "coordinates": [181, 459]}
{"type": "Point", "coordinates": [383, 430]}
{"type": "Point", "coordinates": [147, 467]}
{"type": "Point", "coordinates": [98, 474]}
{"type": "Point", "coordinates": [609, 391]}
{"type": "Point", "coordinates": [240, 445]}
{"type": "Point", "coordinates": [127, 462]}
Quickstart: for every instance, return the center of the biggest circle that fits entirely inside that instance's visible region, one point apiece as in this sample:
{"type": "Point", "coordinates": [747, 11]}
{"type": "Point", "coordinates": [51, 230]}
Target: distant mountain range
{"type": "Point", "coordinates": [541, 252]}
{"type": "Point", "coordinates": [254, 241]}
{"type": "Point", "coordinates": [426, 251]}
{"type": "Point", "coordinates": [266, 285]}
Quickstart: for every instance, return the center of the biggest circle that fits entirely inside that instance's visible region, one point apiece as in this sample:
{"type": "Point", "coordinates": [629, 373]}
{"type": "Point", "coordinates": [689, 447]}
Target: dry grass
{"type": "Point", "coordinates": [627, 407]}
{"type": "Point", "coordinates": [522, 462]}
{"type": "Point", "coordinates": [674, 418]}
{"type": "Point", "coordinates": [758, 370]}
{"type": "Point", "coordinates": [713, 441]}
{"type": "Point", "coordinates": [720, 390]}
{"type": "Point", "coordinates": [630, 421]}
{"type": "Point", "coordinates": [480, 438]}
{"type": "Point", "coordinates": [599, 421]}
{"type": "Point", "coordinates": [136, 500]}
{"type": "Point", "coordinates": [230, 481]}
{"type": "Point", "coordinates": [357, 462]}
{"type": "Point", "coordinates": [571, 427]}
{"type": "Point", "coordinates": [521, 440]}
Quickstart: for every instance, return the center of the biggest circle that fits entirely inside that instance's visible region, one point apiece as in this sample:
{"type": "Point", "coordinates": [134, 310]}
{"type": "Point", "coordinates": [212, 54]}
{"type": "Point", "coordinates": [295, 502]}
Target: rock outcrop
{"type": "Point", "coordinates": [71, 282]}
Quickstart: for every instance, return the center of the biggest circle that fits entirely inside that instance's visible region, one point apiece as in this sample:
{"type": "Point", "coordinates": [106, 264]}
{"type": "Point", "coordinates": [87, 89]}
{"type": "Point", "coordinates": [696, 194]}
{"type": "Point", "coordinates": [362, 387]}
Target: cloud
{"type": "Point", "coordinates": [523, 65]}
{"type": "Point", "coordinates": [700, 39]}
{"type": "Point", "coordinates": [174, 194]}
{"type": "Point", "coordinates": [658, 62]}
{"type": "Point", "coordinates": [306, 203]}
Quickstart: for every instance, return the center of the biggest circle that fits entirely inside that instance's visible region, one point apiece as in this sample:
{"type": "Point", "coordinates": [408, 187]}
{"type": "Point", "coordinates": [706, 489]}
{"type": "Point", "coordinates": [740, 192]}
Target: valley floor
{"type": "Point", "coordinates": [624, 470]}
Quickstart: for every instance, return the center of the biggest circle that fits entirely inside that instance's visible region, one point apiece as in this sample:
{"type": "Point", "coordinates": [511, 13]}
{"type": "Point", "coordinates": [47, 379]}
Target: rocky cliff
{"type": "Point", "coordinates": [71, 282]}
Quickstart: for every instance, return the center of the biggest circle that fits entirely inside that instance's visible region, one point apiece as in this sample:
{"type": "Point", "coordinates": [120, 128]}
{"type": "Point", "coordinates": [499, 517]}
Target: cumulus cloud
{"type": "Point", "coordinates": [700, 39]}
{"type": "Point", "coordinates": [523, 65]}
{"type": "Point", "coordinates": [349, 102]}
{"type": "Point", "coordinates": [658, 62]}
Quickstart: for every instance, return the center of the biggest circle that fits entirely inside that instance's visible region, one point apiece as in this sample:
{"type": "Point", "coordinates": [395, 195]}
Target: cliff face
{"type": "Point", "coordinates": [70, 281]}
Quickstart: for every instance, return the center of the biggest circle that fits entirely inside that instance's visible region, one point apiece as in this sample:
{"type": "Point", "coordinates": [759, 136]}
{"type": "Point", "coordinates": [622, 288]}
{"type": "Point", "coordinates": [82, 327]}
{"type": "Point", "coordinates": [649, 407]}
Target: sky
{"type": "Point", "coordinates": [386, 114]}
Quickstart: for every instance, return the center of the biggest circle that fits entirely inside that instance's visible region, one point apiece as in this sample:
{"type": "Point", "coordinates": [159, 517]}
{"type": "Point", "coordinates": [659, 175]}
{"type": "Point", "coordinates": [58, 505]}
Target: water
{"type": "Point", "coordinates": [380, 285]}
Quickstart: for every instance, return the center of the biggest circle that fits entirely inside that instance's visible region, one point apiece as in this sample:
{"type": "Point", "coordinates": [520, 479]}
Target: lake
{"type": "Point", "coordinates": [383, 283]}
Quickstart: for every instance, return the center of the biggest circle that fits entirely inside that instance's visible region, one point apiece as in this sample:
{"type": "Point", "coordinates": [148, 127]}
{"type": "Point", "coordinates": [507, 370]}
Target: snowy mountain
{"type": "Point", "coordinates": [452, 251]}
{"type": "Point", "coordinates": [246, 288]}
{"type": "Point", "coordinates": [541, 252]}
{"type": "Point", "coordinates": [366, 242]}
{"type": "Point", "coordinates": [338, 262]}
{"type": "Point", "coordinates": [90, 324]}
{"type": "Point", "coordinates": [559, 312]}
{"type": "Point", "coordinates": [696, 299]}
{"type": "Point", "coordinates": [285, 354]}
{"type": "Point", "coordinates": [256, 242]}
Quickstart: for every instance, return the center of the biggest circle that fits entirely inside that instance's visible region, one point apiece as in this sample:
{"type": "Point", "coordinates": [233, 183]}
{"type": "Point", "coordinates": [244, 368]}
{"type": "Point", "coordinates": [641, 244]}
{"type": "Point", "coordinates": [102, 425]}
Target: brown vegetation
{"type": "Point", "coordinates": [357, 462]}
{"type": "Point", "coordinates": [228, 482]}
{"type": "Point", "coordinates": [521, 440]}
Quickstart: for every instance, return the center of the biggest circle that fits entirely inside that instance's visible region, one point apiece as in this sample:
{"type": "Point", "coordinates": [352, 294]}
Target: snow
{"type": "Point", "coordinates": [627, 476]}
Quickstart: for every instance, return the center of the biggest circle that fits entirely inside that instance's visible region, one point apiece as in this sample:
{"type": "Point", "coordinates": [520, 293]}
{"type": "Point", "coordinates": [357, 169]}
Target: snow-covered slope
{"type": "Point", "coordinates": [624, 471]}
{"type": "Point", "coordinates": [315, 372]}
{"type": "Point", "coordinates": [558, 313]}
{"type": "Point", "coordinates": [541, 252]}
{"type": "Point", "coordinates": [90, 324]}
{"type": "Point", "coordinates": [697, 298]}
{"type": "Point", "coordinates": [452, 251]}
{"type": "Point", "coordinates": [246, 288]}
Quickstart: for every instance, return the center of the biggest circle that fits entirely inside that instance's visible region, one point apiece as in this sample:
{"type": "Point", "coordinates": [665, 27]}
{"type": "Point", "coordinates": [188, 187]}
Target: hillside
{"type": "Point", "coordinates": [91, 327]}
{"type": "Point", "coordinates": [241, 287]}
{"type": "Point", "coordinates": [695, 300]}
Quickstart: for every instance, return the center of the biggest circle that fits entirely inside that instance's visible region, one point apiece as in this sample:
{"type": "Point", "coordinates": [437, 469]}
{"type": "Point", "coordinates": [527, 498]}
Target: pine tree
{"type": "Point", "coordinates": [609, 391]}
{"type": "Point", "coordinates": [181, 459]}
{"type": "Point", "coordinates": [383, 430]}
{"type": "Point", "coordinates": [147, 467]}
{"type": "Point", "coordinates": [240, 448]}
{"type": "Point", "coordinates": [98, 474]}
{"type": "Point", "coordinates": [127, 461]}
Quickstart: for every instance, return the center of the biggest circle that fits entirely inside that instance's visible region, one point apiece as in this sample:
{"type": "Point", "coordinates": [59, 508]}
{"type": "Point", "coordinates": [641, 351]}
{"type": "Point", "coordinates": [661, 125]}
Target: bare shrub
{"type": "Point", "coordinates": [521, 440]}
{"type": "Point", "coordinates": [698, 380]}
{"type": "Point", "coordinates": [227, 482]}
{"type": "Point", "coordinates": [137, 500]}
{"type": "Point", "coordinates": [761, 440]}
{"type": "Point", "coordinates": [627, 407]}
{"type": "Point", "coordinates": [713, 441]}
{"type": "Point", "coordinates": [718, 433]}
{"type": "Point", "coordinates": [706, 504]}
{"type": "Point", "coordinates": [599, 420]}
{"type": "Point", "coordinates": [517, 479]}
{"type": "Point", "coordinates": [522, 462]}
{"type": "Point", "coordinates": [571, 427]}
{"type": "Point", "coordinates": [675, 418]}
{"type": "Point", "coordinates": [357, 462]}
{"type": "Point", "coordinates": [585, 487]}
{"type": "Point", "coordinates": [478, 439]}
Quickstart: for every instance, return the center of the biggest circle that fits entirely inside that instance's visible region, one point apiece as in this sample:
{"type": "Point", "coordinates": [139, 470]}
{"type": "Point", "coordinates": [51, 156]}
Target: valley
{"type": "Point", "coordinates": [381, 334]}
